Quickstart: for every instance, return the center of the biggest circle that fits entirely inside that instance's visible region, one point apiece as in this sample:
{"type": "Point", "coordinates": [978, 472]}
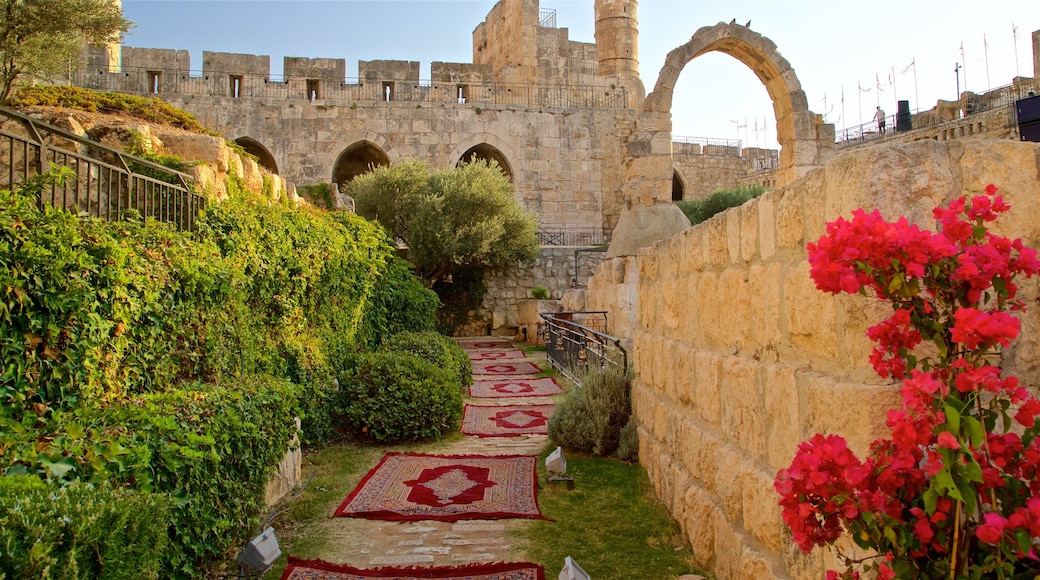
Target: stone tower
{"type": "Point", "coordinates": [617, 41]}
{"type": "Point", "coordinates": [107, 58]}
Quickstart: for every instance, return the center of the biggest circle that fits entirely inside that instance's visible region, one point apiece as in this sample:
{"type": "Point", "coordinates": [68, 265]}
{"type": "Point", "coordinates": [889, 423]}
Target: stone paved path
{"type": "Point", "coordinates": [372, 543]}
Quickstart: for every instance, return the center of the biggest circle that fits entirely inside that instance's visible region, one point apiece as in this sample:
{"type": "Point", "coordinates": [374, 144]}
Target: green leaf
{"type": "Point", "coordinates": [973, 429]}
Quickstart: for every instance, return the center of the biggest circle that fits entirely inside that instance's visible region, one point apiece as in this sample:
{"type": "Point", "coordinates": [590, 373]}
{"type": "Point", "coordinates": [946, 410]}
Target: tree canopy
{"type": "Point", "coordinates": [40, 38]}
{"type": "Point", "coordinates": [467, 216]}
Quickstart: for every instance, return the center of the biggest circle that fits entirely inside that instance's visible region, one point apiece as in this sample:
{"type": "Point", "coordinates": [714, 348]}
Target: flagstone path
{"type": "Point", "coordinates": [372, 543]}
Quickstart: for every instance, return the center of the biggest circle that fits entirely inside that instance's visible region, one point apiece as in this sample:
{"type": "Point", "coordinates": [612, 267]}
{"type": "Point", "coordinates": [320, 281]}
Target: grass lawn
{"type": "Point", "coordinates": [609, 523]}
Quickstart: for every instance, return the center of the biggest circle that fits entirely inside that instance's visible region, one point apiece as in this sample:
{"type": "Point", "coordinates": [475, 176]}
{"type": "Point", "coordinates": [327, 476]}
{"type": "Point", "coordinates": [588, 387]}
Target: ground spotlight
{"type": "Point", "coordinates": [260, 554]}
{"type": "Point", "coordinates": [572, 571]}
{"type": "Point", "coordinates": [556, 469]}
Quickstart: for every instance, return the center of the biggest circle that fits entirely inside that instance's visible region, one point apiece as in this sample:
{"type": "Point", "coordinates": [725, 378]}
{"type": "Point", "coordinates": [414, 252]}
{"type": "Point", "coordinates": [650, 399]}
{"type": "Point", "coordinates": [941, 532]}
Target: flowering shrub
{"type": "Point", "coordinates": [954, 492]}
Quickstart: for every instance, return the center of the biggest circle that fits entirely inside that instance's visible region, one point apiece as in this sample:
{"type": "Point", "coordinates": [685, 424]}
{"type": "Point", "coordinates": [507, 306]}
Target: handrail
{"type": "Point", "coordinates": [107, 182]}
{"type": "Point", "coordinates": [572, 345]}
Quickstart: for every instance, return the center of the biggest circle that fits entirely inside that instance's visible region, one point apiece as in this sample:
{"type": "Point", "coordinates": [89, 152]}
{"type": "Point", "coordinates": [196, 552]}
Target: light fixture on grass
{"type": "Point", "coordinates": [572, 571]}
{"type": "Point", "coordinates": [556, 468]}
{"type": "Point", "coordinates": [260, 554]}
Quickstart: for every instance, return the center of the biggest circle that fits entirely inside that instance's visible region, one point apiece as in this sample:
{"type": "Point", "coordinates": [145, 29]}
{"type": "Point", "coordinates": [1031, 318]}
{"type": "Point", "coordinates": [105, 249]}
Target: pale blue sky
{"type": "Point", "coordinates": [833, 46]}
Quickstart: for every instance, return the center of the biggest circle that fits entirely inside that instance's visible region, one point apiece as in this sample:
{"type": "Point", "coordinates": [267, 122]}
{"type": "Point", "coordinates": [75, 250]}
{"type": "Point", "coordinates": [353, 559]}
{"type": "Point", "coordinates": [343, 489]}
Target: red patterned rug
{"type": "Point", "coordinates": [481, 355]}
{"type": "Point", "coordinates": [484, 343]}
{"type": "Point", "coordinates": [543, 387]}
{"type": "Point", "coordinates": [416, 486]}
{"type": "Point", "coordinates": [505, 368]}
{"type": "Point", "coordinates": [320, 570]}
{"type": "Point", "coordinates": [506, 420]}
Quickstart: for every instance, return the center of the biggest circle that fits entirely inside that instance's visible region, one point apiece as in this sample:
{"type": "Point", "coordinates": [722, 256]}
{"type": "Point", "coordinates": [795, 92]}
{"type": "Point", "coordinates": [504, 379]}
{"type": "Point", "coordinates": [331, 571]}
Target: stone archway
{"type": "Point", "coordinates": [263, 154]}
{"type": "Point", "coordinates": [678, 186]}
{"type": "Point", "coordinates": [805, 144]}
{"type": "Point", "coordinates": [358, 158]}
{"type": "Point", "coordinates": [650, 215]}
{"type": "Point", "coordinates": [488, 153]}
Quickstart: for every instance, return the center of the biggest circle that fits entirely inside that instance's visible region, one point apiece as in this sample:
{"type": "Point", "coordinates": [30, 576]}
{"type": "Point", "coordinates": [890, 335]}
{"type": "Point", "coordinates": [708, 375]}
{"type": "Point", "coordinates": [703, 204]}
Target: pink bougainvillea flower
{"type": "Point", "coordinates": [973, 328]}
{"type": "Point", "coordinates": [948, 440]}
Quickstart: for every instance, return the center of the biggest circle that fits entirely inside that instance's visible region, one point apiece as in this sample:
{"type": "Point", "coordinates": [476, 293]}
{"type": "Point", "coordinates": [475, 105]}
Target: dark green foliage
{"type": "Point", "coordinates": [591, 417]}
{"type": "Point", "coordinates": [319, 194]}
{"type": "Point", "coordinates": [396, 396]}
{"type": "Point", "coordinates": [436, 348]}
{"type": "Point", "coordinates": [717, 201]}
{"type": "Point", "coordinates": [628, 443]}
{"type": "Point", "coordinates": [400, 303]}
{"type": "Point", "coordinates": [80, 531]}
{"type": "Point", "coordinates": [460, 295]}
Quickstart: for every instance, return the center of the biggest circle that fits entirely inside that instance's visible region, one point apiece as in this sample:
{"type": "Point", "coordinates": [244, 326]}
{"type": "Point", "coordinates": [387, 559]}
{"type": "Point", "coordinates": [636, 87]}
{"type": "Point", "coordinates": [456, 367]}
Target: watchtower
{"type": "Point", "coordinates": [617, 42]}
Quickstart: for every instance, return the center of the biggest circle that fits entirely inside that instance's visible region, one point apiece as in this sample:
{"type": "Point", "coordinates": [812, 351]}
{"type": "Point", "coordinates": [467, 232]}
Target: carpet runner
{"type": "Point", "coordinates": [299, 569]}
{"type": "Point", "coordinates": [505, 368]}
{"type": "Point", "coordinates": [506, 420]}
{"type": "Point", "coordinates": [416, 486]}
{"type": "Point", "coordinates": [484, 343]}
{"type": "Point", "coordinates": [518, 387]}
{"type": "Point", "coordinates": [482, 355]}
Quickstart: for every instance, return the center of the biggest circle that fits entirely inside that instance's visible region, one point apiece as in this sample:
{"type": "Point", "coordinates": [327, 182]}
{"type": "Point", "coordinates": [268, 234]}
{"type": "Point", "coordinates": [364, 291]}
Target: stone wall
{"type": "Point", "coordinates": [738, 357]}
{"type": "Point", "coordinates": [564, 166]}
{"type": "Point", "coordinates": [553, 270]}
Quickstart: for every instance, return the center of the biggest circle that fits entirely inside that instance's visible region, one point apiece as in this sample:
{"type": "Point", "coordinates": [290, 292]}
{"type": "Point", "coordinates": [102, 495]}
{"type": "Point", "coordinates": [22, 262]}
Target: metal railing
{"type": "Point", "coordinates": [573, 237]}
{"type": "Point", "coordinates": [547, 18]}
{"type": "Point", "coordinates": [576, 341]}
{"type": "Point", "coordinates": [706, 146]}
{"type": "Point", "coordinates": [105, 183]}
{"type": "Point", "coordinates": [342, 91]}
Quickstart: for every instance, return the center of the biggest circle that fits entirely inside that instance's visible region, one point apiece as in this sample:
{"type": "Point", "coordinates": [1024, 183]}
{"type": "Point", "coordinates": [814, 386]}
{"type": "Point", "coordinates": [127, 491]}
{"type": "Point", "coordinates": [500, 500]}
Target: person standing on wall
{"type": "Point", "coordinates": [879, 116]}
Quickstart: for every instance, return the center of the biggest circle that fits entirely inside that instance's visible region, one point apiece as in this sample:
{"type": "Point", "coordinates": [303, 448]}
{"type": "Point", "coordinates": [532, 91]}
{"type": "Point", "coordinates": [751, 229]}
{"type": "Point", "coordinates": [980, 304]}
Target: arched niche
{"type": "Point", "coordinates": [263, 154]}
{"type": "Point", "coordinates": [488, 153]}
{"type": "Point", "coordinates": [358, 158]}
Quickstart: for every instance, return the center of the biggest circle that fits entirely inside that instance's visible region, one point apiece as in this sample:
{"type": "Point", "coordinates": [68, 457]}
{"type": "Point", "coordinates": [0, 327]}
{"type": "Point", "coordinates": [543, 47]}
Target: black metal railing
{"type": "Point", "coordinates": [577, 341]}
{"type": "Point", "coordinates": [342, 91]}
{"type": "Point", "coordinates": [573, 237]}
{"type": "Point", "coordinates": [105, 182]}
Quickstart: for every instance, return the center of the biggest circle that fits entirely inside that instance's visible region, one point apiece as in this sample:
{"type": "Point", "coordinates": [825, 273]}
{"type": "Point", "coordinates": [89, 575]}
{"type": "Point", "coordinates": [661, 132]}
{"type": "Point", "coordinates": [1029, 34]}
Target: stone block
{"type": "Point", "coordinates": [717, 246]}
{"type": "Point", "coordinates": [853, 410]}
{"type": "Point", "coordinates": [707, 373]}
{"type": "Point", "coordinates": [789, 220]}
{"type": "Point", "coordinates": [743, 415]}
{"type": "Point", "coordinates": [799, 565]}
{"type": "Point", "coordinates": [748, 216]}
{"type": "Point", "coordinates": [810, 318]}
{"type": "Point", "coordinates": [766, 205]}
{"type": "Point", "coordinates": [783, 408]}
{"type": "Point", "coordinates": [761, 511]}
{"type": "Point", "coordinates": [732, 466]}
{"type": "Point", "coordinates": [698, 524]}
{"type": "Point", "coordinates": [1014, 167]}
{"type": "Point", "coordinates": [729, 549]}
{"type": "Point", "coordinates": [698, 449]}
{"type": "Point", "coordinates": [732, 298]}
{"type": "Point", "coordinates": [756, 564]}
{"type": "Point", "coordinates": [733, 233]}
{"type": "Point", "coordinates": [763, 289]}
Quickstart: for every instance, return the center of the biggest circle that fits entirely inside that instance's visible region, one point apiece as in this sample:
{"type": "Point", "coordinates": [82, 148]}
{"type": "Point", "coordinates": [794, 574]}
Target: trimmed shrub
{"type": "Point", "coordinates": [628, 445]}
{"type": "Point", "coordinates": [396, 396]}
{"type": "Point", "coordinates": [436, 348]}
{"type": "Point", "coordinates": [591, 417]}
{"type": "Point", "coordinates": [80, 530]}
{"type": "Point", "coordinates": [700, 210]}
{"type": "Point", "coordinates": [400, 303]}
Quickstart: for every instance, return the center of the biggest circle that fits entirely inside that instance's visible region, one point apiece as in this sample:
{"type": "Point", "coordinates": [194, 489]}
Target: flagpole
{"type": "Point", "coordinates": [917, 96]}
{"type": "Point", "coordinates": [985, 50]}
{"type": "Point", "coordinates": [1014, 35]}
{"type": "Point", "coordinates": [964, 70]}
{"type": "Point", "coordinates": [895, 91]}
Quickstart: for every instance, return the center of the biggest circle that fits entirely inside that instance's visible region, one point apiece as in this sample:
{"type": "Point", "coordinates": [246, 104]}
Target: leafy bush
{"type": "Point", "coordinates": [539, 293]}
{"type": "Point", "coordinates": [80, 530]}
{"type": "Point", "coordinates": [717, 201]}
{"type": "Point", "coordinates": [436, 348]}
{"type": "Point", "coordinates": [319, 194]}
{"type": "Point", "coordinates": [460, 295]}
{"type": "Point", "coordinates": [591, 417]}
{"type": "Point", "coordinates": [628, 443]}
{"type": "Point", "coordinates": [395, 396]}
{"type": "Point", "coordinates": [400, 303]}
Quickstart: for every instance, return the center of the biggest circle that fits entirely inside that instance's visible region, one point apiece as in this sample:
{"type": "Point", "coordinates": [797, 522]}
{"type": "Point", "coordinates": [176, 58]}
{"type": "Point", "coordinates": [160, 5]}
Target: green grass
{"type": "Point", "coordinates": [609, 523]}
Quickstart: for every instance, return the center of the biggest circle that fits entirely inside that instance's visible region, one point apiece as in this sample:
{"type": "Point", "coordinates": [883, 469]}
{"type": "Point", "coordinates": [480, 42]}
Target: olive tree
{"type": "Point", "coordinates": [40, 38]}
{"type": "Point", "coordinates": [464, 217]}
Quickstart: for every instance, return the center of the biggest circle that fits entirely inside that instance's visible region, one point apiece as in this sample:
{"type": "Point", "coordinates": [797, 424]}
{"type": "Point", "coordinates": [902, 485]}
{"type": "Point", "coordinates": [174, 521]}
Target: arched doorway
{"type": "Point", "coordinates": [262, 154]}
{"type": "Point", "coordinates": [487, 153]}
{"type": "Point", "coordinates": [360, 157]}
{"type": "Point", "coordinates": [678, 188]}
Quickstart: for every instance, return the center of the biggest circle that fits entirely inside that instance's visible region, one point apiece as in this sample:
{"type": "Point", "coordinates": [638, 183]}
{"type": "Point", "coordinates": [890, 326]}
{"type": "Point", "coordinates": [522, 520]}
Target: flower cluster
{"type": "Point", "coordinates": [954, 490]}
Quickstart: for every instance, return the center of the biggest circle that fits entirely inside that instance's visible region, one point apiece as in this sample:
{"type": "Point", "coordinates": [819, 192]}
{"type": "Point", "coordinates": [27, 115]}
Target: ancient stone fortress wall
{"type": "Point", "coordinates": [701, 170]}
{"type": "Point", "coordinates": [738, 357]}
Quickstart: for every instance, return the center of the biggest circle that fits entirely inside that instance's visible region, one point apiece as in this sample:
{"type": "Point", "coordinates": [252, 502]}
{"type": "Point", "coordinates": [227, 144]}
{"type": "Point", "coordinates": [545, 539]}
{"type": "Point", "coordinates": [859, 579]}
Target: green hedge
{"type": "Point", "coordinates": [699, 210]}
{"type": "Point", "coordinates": [80, 530]}
{"type": "Point", "coordinates": [396, 396]}
{"type": "Point", "coordinates": [436, 348]}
